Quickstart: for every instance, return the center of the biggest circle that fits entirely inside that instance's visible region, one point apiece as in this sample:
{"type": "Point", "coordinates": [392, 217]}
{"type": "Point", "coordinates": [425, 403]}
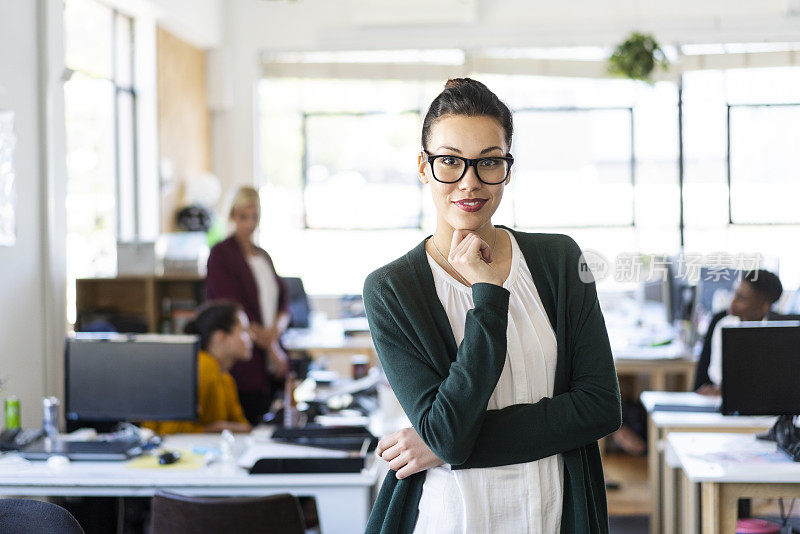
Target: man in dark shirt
{"type": "Point", "coordinates": [752, 300]}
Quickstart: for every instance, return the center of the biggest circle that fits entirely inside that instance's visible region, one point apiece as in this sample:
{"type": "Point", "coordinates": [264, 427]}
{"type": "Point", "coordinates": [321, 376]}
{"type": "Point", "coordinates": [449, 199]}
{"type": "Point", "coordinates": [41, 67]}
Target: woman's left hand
{"type": "Point", "coordinates": [406, 453]}
{"type": "Point", "coordinates": [278, 360]}
{"type": "Point", "coordinates": [261, 336]}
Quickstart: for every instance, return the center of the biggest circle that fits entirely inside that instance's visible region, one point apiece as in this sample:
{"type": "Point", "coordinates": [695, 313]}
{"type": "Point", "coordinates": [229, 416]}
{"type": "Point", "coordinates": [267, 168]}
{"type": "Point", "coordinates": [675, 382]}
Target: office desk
{"type": "Point", "coordinates": [656, 363]}
{"type": "Point", "coordinates": [328, 337]}
{"type": "Point", "coordinates": [661, 475]}
{"type": "Point", "coordinates": [343, 499]}
{"type": "Point", "coordinates": [719, 469]}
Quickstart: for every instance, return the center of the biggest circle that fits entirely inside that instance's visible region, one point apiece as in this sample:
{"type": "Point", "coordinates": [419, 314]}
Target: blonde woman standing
{"type": "Point", "coordinates": [243, 272]}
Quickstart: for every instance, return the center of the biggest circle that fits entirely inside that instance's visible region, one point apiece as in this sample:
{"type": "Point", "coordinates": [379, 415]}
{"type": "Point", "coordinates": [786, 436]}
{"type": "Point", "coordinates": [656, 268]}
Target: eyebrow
{"type": "Point", "coordinates": [484, 151]}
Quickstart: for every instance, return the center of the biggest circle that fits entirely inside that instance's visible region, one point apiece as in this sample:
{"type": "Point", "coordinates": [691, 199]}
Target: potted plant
{"type": "Point", "coordinates": [637, 57]}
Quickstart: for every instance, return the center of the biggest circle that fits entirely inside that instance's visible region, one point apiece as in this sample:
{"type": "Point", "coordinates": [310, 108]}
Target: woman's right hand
{"type": "Point", "coordinates": [471, 256]}
{"type": "Point", "coordinates": [406, 453]}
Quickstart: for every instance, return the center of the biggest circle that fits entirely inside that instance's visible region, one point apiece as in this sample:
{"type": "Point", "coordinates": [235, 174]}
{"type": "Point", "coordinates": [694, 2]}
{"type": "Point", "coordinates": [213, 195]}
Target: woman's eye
{"type": "Point", "coordinates": [449, 161]}
{"type": "Point", "coordinates": [489, 163]}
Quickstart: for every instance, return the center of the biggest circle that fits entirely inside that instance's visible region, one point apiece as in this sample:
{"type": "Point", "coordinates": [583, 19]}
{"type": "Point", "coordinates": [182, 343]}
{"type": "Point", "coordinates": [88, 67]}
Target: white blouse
{"type": "Point", "coordinates": [520, 498]}
{"type": "Point", "coordinates": [268, 291]}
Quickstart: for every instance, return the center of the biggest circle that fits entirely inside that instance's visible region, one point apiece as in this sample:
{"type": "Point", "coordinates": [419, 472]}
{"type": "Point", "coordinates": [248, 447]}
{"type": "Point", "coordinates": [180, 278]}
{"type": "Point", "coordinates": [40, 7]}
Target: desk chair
{"type": "Point", "coordinates": [177, 514]}
{"type": "Point", "coordinates": [26, 516]}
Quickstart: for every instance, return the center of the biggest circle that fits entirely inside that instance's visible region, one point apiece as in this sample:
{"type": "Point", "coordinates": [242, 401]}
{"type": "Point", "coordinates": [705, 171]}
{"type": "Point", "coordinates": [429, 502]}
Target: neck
{"type": "Point", "coordinates": [443, 236]}
{"type": "Point", "coordinates": [225, 362]}
{"type": "Point", "coordinates": [245, 241]}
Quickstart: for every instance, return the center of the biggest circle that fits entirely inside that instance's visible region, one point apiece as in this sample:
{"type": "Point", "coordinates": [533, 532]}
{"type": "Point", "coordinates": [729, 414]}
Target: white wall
{"type": "Point", "coordinates": [22, 340]}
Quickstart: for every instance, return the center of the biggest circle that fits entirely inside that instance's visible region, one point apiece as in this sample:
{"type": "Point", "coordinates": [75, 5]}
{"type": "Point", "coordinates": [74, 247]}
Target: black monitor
{"type": "Point", "coordinates": [299, 308]}
{"type": "Point", "coordinates": [760, 366]}
{"type": "Point", "coordinates": [131, 378]}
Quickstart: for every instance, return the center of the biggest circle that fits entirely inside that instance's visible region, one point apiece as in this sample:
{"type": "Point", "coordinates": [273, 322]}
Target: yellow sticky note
{"type": "Point", "coordinates": [188, 460]}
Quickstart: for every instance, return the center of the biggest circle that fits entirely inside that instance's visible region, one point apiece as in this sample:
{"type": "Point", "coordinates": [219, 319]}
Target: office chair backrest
{"type": "Point", "coordinates": [177, 514]}
{"type": "Point", "coordinates": [26, 516]}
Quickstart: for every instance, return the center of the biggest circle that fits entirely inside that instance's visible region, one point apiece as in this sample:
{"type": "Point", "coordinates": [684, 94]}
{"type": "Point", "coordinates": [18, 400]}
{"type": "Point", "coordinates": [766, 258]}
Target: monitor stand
{"type": "Point", "coordinates": [786, 435]}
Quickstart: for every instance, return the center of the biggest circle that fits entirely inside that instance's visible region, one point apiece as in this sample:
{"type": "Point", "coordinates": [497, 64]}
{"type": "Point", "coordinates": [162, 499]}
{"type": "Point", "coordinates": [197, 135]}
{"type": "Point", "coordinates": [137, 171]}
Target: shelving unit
{"type": "Point", "coordinates": [142, 297]}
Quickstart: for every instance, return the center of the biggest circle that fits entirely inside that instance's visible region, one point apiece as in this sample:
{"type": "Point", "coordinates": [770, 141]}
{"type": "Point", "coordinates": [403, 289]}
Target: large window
{"type": "Point", "coordinates": [764, 163]}
{"type": "Point", "coordinates": [357, 171]}
{"type": "Point", "coordinates": [597, 159]}
{"type": "Point", "coordinates": [575, 170]}
{"type": "Point", "coordinates": [100, 108]}
{"type": "Point", "coordinates": [756, 211]}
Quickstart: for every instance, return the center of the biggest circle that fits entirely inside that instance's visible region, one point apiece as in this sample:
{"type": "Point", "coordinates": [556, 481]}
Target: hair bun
{"type": "Point", "coordinates": [452, 83]}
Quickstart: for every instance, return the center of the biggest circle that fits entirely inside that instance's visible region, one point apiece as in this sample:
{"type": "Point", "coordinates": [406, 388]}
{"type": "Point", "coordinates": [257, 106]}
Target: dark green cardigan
{"type": "Point", "coordinates": [445, 389]}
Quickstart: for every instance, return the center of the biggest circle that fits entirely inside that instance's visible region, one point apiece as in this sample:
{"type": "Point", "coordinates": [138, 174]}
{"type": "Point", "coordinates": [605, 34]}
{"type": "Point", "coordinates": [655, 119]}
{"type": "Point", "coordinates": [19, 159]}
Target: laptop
{"type": "Point", "coordinates": [118, 450]}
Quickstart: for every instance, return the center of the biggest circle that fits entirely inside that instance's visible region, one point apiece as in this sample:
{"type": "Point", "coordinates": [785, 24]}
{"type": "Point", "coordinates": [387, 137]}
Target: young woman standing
{"type": "Point", "coordinates": [241, 271]}
{"type": "Point", "coordinates": [495, 345]}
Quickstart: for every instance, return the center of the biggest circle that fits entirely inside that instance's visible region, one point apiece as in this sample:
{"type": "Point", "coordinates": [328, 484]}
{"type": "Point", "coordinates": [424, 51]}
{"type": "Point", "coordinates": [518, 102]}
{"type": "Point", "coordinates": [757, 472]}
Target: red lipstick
{"type": "Point", "coordinates": [471, 204]}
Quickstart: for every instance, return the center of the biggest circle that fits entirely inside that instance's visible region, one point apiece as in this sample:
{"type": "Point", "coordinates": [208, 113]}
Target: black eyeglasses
{"type": "Point", "coordinates": [450, 169]}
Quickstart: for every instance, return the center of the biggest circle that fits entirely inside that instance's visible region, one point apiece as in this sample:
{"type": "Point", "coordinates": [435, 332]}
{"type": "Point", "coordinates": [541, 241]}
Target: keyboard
{"type": "Point", "coordinates": [15, 439]}
{"type": "Point", "coordinates": [685, 408]}
{"type": "Point", "coordinates": [117, 450]}
{"type": "Point", "coordinates": [340, 438]}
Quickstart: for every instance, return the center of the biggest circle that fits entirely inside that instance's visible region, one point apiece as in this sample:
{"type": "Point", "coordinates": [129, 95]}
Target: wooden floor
{"type": "Point", "coordinates": [632, 497]}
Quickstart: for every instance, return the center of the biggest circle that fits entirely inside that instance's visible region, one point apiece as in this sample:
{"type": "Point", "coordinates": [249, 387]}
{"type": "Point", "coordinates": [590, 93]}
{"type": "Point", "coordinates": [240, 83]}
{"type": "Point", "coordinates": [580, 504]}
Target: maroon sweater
{"type": "Point", "coordinates": [230, 277]}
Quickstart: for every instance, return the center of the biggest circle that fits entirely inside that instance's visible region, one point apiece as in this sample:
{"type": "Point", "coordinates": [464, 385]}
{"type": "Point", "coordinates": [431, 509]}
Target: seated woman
{"type": "Point", "coordinates": [224, 332]}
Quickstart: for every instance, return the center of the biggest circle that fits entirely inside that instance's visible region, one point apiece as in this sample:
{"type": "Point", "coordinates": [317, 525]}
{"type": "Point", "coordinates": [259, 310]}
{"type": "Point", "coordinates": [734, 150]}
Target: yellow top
{"type": "Point", "coordinates": [218, 400]}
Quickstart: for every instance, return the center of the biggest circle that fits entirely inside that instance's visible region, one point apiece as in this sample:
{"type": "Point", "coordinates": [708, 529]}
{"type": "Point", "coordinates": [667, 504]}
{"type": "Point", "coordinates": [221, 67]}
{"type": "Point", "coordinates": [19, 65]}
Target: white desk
{"type": "Point", "coordinates": [329, 336]}
{"type": "Point", "coordinates": [718, 469]}
{"type": "Point", "coordinates": [343, 500]}
{"type": "Point", "coordinates": [662, 473]}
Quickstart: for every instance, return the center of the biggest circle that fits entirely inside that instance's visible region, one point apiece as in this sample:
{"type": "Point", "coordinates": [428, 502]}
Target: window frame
{"type": "Point", "coordinates": [130, 89]}
{"type": "Point", "coordinates": [728, 170]}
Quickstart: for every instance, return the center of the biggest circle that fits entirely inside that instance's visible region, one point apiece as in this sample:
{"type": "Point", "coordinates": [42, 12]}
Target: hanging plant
{"type": "Point", "coordinates": [637, 57]}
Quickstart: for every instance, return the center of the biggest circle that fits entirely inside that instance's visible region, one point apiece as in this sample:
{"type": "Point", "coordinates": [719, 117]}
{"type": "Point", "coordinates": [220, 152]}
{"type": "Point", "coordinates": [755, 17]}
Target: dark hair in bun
{"type": "Point", "coordinates": [213, 316]}
{"type": "Point", "coordinates": [465, 96]}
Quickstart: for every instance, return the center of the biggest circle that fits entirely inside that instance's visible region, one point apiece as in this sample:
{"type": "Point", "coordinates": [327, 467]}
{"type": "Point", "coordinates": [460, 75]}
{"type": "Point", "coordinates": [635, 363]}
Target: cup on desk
{"type": "Point", "coordinates": [360, 365]}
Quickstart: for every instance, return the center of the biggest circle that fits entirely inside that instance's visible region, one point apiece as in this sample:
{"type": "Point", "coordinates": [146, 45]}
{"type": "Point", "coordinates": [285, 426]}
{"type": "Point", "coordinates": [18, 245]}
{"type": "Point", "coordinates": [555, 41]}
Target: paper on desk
{"type": "Point", "coordinates": [673, 350]}
{"type": "Point", "coordinates": [272, 449]}
{"type": "Point", "coordinates": [188, 461]}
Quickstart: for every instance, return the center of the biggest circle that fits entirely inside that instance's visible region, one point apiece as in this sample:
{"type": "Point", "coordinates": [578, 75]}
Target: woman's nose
{"type": "Point", "coordinates": [470, 180]}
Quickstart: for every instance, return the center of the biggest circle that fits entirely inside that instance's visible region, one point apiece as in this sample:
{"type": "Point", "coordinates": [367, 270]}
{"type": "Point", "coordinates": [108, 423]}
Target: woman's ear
{"type": "Point", "coordinates": [217, 338]}
{"type": "Point", "coordinates": [422, 162]}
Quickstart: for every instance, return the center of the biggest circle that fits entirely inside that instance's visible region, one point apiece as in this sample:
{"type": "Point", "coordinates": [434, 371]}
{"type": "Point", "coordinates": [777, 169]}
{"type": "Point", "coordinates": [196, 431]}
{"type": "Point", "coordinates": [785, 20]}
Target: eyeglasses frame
{"type": "Point", "coordinates": [470, 163]}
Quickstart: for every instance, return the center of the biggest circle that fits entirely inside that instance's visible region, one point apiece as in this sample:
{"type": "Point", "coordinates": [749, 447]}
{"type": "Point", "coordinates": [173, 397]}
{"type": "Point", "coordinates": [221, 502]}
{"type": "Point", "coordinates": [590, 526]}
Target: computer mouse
{"type": "Point", "coordinates": [168, 457]}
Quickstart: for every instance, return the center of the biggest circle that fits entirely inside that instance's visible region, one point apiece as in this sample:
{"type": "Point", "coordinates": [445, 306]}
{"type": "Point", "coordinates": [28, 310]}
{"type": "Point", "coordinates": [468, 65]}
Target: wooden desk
{"type": "Point", "coordinates": [343, 500]}
{"type": "Point", "coordinates": [719, 469]}
{"type": "Point", "coordinates": [657, 370]}
{"type": "Point", "coordinates": [665, 511]}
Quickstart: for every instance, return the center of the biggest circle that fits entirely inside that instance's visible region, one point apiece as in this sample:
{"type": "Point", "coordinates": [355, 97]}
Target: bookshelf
{"type": "Point", "coordinates": [152, 303]}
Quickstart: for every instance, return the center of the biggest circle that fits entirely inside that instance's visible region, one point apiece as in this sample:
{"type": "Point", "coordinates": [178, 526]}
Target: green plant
{"type": "Point", "coordinates": [637, 57]}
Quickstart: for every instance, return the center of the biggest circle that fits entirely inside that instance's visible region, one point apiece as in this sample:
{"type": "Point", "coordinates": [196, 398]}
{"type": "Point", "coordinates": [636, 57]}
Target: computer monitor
{"type": "Point", "coordinates": [712, 280]}
{"type": "Point", "coordinates": [666, 289]}
{"type": "Point", "coordinates": [131, 377]}
{"type": "Point", "coordinates": [760, 366]}
{"type": "Point", "coordinates": [299, 308]}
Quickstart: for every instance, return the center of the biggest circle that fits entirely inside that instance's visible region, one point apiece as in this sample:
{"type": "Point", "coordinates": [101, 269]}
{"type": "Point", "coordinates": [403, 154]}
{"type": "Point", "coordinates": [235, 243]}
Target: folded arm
{"type": "Point", "coordinates": [446, 407]}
